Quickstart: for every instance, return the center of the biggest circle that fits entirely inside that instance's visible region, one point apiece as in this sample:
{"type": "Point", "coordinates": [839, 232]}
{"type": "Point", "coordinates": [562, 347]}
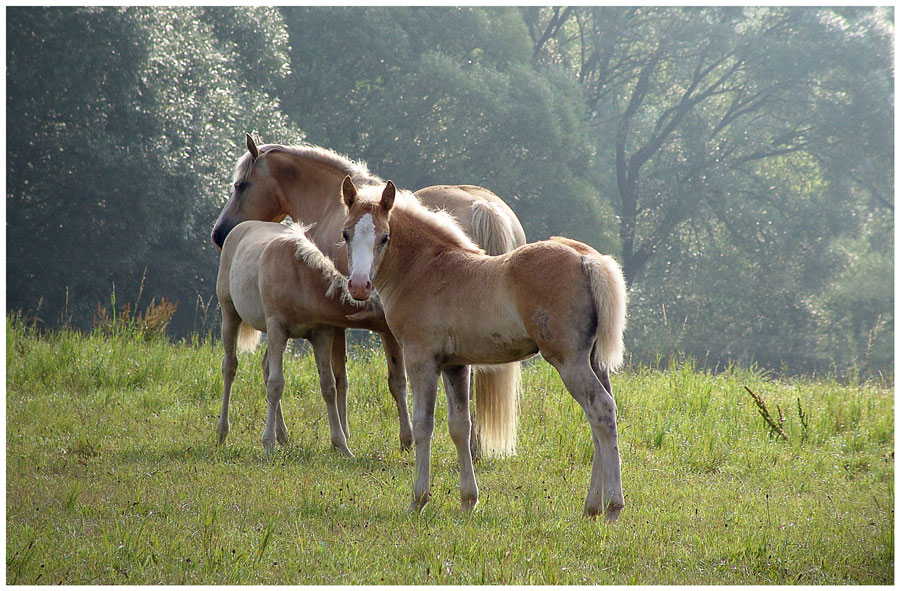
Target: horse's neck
{"type": "Point", "coordinates": [315, 201]}
{"type": "Point", "coordinates": [414, 246]}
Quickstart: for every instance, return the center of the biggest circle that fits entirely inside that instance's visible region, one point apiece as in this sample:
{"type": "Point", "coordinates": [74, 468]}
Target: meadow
{"type": "Point", "coordinates": [113, 476]}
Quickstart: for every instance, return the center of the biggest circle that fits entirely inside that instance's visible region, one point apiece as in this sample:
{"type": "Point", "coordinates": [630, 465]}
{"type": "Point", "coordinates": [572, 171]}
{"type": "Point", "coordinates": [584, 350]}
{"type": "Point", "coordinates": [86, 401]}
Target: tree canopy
{"type": "Point", "coordinates": [738, 161]}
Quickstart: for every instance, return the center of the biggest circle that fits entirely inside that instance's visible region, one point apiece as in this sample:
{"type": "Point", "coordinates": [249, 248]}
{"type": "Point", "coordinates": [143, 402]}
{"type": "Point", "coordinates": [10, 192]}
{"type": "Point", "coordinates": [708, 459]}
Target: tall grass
{"type": "Point", "coordinates": [113, 476]}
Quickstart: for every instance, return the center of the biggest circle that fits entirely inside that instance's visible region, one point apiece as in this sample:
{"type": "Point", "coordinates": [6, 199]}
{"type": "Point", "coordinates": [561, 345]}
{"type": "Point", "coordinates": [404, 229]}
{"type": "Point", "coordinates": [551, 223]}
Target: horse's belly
{"type": "Point", "coordinates": [491, 350]}
{"type": "Point", "coordinates": [493, 342]}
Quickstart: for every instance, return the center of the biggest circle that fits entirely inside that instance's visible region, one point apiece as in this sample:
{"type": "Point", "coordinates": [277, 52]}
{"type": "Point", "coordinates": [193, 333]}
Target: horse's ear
{"type": "Point", "coordinates": [348, 191]}
{"type": "Point", "coordinates": [387, 197]}
{"type": "Point", "coordinates": [251, 146]}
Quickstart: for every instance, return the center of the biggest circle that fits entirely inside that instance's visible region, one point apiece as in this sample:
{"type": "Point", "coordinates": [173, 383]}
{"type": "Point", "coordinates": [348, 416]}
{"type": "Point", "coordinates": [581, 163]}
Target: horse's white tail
{"type": "Point", "coordinates": [492, 228]}
{"type": "Point", "coordinates": [247, 337]}
{"type": "Point", "coordinates": [496, 387]}
{"type": "Point", "coordinates": [610, 300]}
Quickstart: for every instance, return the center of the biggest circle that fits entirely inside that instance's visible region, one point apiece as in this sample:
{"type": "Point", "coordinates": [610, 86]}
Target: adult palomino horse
{"type": "Point", "coordinates": [273, 181]}
{"type": "Point", "coordinates": [559, 297]}
{"type": "Point", "coordinates": [272, 278]}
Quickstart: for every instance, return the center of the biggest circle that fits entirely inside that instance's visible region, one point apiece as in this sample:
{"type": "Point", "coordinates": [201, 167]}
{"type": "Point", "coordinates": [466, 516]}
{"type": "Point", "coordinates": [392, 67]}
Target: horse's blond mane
{"type": "Point", "coordinates": [357, 169]}
{"type": "Point", "coordinates": [440, 223]}
{"type": "Point", "coordinates": [309, 255]}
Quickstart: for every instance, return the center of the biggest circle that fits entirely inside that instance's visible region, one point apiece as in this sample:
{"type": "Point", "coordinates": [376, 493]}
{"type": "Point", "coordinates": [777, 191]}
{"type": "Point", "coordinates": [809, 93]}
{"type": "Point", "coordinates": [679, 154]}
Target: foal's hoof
{"type": "Point", "coordinates": [222, 432]}
{"type": "Point", "coordinates": [468, 504]}
{"type": "Point", "coordinates": [343, 450]}
{"type": "Point", "coordinates": [417, 505]}
{"type": "Point", "coordinates": [611, 514]}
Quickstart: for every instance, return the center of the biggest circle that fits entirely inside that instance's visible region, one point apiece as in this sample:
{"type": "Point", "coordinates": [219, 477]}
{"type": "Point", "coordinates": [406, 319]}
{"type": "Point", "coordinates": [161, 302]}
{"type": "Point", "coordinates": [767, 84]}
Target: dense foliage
{"type": "Point", "coordinates": [738, 161]}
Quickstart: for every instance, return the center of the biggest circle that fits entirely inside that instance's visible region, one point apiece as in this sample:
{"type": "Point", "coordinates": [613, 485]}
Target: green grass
{"type": "Point", "coordinates": [113, 476]}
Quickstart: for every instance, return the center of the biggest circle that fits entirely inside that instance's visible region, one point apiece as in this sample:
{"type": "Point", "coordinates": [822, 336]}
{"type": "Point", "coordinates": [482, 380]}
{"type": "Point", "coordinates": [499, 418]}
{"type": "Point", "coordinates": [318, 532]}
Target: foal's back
{"type": "Point", "coordinates": [268, 271]}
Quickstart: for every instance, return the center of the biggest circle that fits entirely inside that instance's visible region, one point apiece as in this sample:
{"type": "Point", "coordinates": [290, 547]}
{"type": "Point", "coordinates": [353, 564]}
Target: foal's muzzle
{"type": "Point", "coordinates": [360, 288]}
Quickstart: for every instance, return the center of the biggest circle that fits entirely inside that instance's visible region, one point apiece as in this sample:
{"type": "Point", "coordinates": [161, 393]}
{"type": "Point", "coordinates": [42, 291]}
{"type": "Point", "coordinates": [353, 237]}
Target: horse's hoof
{"type": "Point", "coordinates": [468, 504]}
{"type": "Point", "coordinates": [222, 432]}
{"type": "Point", "coordinates": [344, 451]}
{"type": "Point", "coordinates": [417, 505]}
{"type": "Point", "coordinates": [612, 514]}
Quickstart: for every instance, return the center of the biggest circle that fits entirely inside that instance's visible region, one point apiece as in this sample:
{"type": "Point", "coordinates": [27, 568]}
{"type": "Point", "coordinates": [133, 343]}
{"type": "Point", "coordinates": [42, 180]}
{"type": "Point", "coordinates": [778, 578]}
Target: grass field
{"type": "Point", "coordinates": [113, 476]}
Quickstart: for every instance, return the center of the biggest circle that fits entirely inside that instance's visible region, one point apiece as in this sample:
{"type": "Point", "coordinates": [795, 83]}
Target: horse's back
{"type": "Point", "coordinates": [464, 202]}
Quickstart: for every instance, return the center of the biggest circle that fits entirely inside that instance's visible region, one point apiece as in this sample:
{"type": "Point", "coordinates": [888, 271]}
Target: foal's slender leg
{"type": "Point", "coordinates": [457, 383]}
{"type": "Point", "coordinates": [605, 492]}
{"type": "Point", "coordinates": [339, 369]}
{"type": "Point", "coordinates": [230, 324]}
{"type": "Point", "coordinates": [393, 352]}
{"type": "Point", "coordinates": [423, 375]}
{"type": "Point", "coordinates": [322, 348]}
{"type": "Point", "coordinates": [281, 434]}
{"type": "Point", "coordinates": [274, 374]}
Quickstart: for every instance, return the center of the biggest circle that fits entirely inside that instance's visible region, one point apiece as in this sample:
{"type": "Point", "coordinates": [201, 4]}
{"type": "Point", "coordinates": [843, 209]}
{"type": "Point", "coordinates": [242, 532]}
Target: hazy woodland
{"type": "Point", "coordinates": [737, 161]}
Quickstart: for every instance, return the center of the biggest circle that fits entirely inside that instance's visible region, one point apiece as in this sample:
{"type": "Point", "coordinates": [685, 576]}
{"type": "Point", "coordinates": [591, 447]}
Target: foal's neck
{"type": "Point", "coordinates": [417, 238]}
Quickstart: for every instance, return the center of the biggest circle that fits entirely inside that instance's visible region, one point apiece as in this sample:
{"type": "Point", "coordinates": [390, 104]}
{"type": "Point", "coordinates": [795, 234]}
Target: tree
{"type": "Point", "coordinates": [122, 125]}
{"type": "Point", "coordinates": [448, 95]}
{"type": "Point", "coordinates": [728, 130]}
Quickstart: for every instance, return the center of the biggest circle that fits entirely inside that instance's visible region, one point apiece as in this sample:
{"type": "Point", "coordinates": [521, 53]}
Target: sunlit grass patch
{"type": "Point", "coordinates": [114, 476]}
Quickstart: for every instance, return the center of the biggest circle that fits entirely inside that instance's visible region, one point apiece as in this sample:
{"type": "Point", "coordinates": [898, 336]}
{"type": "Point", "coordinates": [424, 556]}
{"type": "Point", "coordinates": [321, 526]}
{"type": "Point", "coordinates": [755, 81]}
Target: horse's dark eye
{"type": "Point", "coordinates": [346, 235]}
{"type": "Point", "coordinates": [385, 239]}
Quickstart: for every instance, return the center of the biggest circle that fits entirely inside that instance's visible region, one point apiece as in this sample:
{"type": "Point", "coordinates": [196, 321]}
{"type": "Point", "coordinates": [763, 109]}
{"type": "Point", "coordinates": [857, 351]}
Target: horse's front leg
{"type": "Point", "coordinates": [339, 369]}
{"type": "Point", "coordinates": [393, 353]}
{"type": "Point", "coordinates": [321, 342]}
{"type": "Point", "coordinates": [457, 383]}
{"type": "Point", "coordinates": [423, 374]}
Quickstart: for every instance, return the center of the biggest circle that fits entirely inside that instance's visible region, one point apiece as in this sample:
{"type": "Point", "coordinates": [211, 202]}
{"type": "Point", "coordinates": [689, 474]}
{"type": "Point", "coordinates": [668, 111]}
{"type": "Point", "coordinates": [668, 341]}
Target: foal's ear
{"type": "Point", "coordinates": [348, 191]}
{"type": "Point", "coordinates": [387, 197]}
{"type": "Point", "coordinates": [251, 146]}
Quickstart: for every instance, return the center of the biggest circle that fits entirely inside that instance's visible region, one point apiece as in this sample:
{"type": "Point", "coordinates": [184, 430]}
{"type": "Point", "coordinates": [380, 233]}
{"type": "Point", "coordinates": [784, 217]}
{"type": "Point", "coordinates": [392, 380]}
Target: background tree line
{"type": "Point", "coordinates": [737, 161]}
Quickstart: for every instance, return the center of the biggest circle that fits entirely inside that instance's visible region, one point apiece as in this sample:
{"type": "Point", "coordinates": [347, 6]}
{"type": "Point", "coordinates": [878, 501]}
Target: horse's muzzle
{"type": "Point", "coordinates": [359, 289]}
{"type": "Point", "coordinates": [220, 232]}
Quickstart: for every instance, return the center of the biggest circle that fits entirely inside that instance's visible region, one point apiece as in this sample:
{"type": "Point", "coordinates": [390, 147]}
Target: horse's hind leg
{"type": "Point", "coordinates": [281, 434]}
{"type": "Point", "coordinates": [393, 352]}
{"type": "Point", "coordinates": [230, 325]}
{"type": "Point", "coordinates": [602, 373]}
{"type": "Point", "coordinates": [321, 342]}
{"type": "Point", "coordinates": [457, 384]}
{"type": "Point", "coordinates": [605, 493]}
{"type": "Point", "coordinates": [274, 374]}
{"type": "Point", "coordinates": [339, 369]}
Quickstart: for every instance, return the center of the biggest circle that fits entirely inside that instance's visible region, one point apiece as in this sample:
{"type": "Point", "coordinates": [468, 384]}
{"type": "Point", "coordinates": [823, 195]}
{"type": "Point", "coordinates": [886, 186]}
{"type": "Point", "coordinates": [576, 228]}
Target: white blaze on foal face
{"type": "Point", "coordinates": [365, 242]}
{"type": "Point", "coordinates": [364, 252]}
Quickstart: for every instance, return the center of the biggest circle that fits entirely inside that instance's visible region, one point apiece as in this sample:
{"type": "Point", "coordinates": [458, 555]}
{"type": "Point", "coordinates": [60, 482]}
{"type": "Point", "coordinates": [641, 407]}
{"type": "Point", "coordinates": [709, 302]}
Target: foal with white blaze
{"type": "Point", "coordinates": [559, 297]}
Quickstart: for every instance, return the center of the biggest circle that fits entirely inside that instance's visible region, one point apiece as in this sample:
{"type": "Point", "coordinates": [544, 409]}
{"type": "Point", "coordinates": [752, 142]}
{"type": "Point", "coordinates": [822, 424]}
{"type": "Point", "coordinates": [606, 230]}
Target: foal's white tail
{"type": "Point", "coordinates": [247, 337]}
{"type": "Point", "coordinates": [496, 387]}
{"type": "Point", "coordinates": [610, 299]}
